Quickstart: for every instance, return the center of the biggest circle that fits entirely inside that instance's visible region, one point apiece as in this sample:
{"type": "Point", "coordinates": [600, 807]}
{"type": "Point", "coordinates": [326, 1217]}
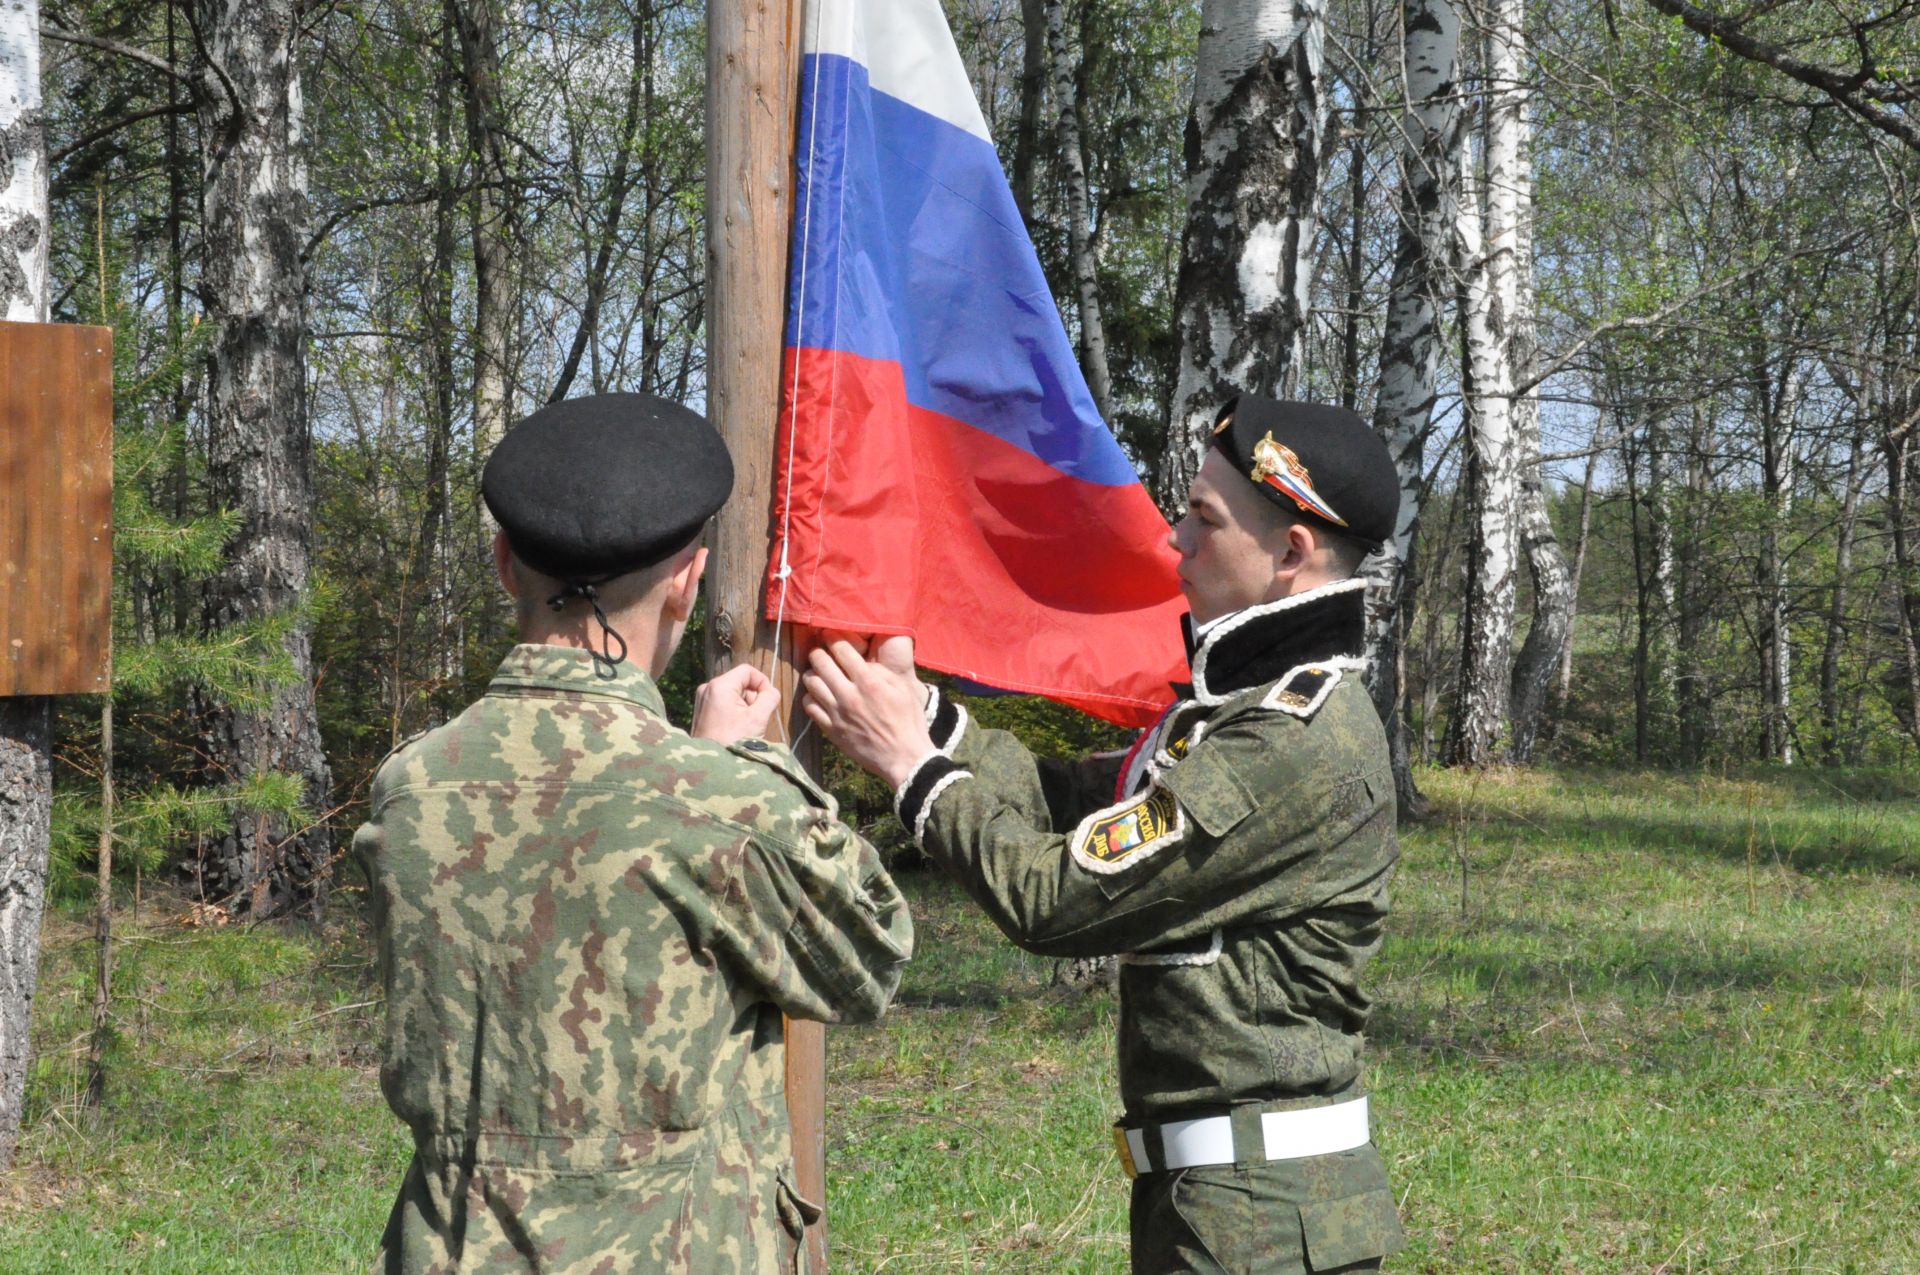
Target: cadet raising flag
{"type": "Point", "coordinates": [944, 473]}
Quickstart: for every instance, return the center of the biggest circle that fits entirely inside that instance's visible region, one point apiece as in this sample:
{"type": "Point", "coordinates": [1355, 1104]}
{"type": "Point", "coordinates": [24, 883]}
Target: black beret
{"type": "Point", "coordinates": [1313, 460]}
{"type": "Point", "coordinates": [596, 487]}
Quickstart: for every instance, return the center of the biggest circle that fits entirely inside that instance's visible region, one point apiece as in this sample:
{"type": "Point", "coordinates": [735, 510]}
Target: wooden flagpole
{"type": "Point", "coordinates": [753, 73]}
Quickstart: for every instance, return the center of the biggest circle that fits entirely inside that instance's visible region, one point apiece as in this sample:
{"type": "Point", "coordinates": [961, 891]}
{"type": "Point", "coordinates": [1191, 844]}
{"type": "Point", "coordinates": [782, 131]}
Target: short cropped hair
{"type": "Point", "coordinates": [536, 588]}
{"type": "Point", "coordinates": [1346, 551]}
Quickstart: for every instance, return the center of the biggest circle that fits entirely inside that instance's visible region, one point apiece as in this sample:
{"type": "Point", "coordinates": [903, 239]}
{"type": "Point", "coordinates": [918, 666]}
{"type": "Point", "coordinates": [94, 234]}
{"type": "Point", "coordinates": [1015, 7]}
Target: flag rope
{"type": "Point", "coordinates": [785, 574]}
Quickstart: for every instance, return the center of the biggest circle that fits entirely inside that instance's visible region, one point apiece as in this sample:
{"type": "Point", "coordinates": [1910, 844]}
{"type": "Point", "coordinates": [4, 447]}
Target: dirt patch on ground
{"type": "Point", "coordinates": [29, 1188]}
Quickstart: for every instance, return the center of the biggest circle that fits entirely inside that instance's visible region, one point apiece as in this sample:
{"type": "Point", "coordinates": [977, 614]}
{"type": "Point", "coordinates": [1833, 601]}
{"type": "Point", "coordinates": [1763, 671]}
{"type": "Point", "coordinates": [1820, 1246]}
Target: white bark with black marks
{"type": "Point", "coordinates": [1779, 441]}
{"type": "Point", "coordinates": [1431, 133]}
{"type": "Point", "coordinates": [1255, 139]}
{"type": "Point", "coordinates": [26, 810]}
{"type": "Point", "coordinates": [1583, 524]}
{"type": "Point", "coordinates": [23, 166]}
{"type": "Point", "coordinates": [1831, 732]}
{"type": "Point", "coordinates": [255, 217]}
{"type": "Point", "coordinates": [26, 724]}
{"type": "Point", "coordinates": [1086, 271]}
{"type": "Point", "coordinates": [1476, 734]}
{"type": "Point", "coordinates": [1897, 447]}
{"type": "Point", "coordinates": [1510, 222]}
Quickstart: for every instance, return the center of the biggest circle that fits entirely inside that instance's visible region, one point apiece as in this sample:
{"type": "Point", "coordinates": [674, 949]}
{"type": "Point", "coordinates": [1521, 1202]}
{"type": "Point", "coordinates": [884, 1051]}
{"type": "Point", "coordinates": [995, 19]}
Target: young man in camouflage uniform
{"type": "Point", "coordinates": [1236, 859]}
{"type": "Point", "coordinates": [590, 922]}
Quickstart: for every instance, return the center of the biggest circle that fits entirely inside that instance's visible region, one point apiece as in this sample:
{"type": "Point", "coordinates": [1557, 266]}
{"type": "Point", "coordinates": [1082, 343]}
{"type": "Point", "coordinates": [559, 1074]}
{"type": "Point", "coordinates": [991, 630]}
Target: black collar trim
{"type": "Point", "coordinates": [1256, 646]}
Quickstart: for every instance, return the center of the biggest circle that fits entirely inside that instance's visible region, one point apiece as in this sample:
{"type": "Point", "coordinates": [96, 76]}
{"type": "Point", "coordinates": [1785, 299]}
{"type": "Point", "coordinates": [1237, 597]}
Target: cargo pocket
{"type": "Point", "coordinates": [1211, 1227]}
{"type": "Point", "coordinates": [796, 1214]}
{"type": "Point", "coordinates": [1358, 1228]}
{"type": "Point", "coordinates": [1210, 791]}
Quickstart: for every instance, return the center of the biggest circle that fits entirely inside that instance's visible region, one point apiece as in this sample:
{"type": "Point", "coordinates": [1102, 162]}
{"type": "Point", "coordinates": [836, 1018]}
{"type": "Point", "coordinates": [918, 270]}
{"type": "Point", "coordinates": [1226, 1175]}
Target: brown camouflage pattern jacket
{"type": "Point", "coordinates": [590, 925]}
{"type": "Point", "coordinates": [1237, 861]}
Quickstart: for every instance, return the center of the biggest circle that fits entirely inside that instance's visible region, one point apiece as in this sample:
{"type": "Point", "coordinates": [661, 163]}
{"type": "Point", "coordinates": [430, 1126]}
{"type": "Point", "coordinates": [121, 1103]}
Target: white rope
{"type": "Point", "coordinates": [785, 574]}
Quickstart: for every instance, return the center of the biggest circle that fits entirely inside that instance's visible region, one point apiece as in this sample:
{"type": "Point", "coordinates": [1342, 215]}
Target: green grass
{"type": "Point", "coordinates": [1625, 1022]}
{"type": "Point", "coordinates": [243, 1129]}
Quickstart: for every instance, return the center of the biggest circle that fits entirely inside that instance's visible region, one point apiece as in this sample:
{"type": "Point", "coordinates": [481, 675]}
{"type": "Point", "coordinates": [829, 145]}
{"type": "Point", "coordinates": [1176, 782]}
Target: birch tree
{"type": "Point", "coordinates": [1255, 142]}
{"type": "Point", "coordinates": [1897, 447]}
{"type": "Point", "coordinates": [26, 724]}
{"type": "Point", "coordinates": [1429, 146]}
{"type": "Point", "coordinates": [1511, 221]}
{"type": "Point", "coordinates": [1486, 244]}
{"type": "Point", "coordinates": [1777, 395]}
{"type": "Point", "coordinates": [253, 277]}
{"type": "Point", "coordinates": [1831, 732]}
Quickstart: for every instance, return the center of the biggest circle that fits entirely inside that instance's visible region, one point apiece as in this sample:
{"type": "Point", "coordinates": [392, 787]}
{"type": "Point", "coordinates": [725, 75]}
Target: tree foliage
{"type": "Point", "coordinates": [1727, 261]}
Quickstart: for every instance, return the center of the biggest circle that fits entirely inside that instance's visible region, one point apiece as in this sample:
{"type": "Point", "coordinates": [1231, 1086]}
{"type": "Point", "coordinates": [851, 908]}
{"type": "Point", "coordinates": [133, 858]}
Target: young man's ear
{"type": "Point", "coordinates": [1300, 547]}
{"type": "Point", "coordinates": [503, 565]}
{"type": "Point", "coordinates": [683, 587]}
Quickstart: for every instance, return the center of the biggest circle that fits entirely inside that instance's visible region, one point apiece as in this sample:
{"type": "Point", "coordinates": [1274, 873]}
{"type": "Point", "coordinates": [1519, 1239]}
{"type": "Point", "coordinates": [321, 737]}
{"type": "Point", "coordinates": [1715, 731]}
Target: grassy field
{"type": "Point", "coordinates": [1625, 1022]}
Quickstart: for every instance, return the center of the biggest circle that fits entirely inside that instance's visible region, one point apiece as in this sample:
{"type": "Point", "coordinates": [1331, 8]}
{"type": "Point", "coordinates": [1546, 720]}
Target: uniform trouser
{"type": "Point", "coordinates": [1279, 1217]}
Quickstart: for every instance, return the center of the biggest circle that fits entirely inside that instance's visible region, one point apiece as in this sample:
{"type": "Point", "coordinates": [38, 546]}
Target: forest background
{"type": "Point", "coordinates": [1631, 289]}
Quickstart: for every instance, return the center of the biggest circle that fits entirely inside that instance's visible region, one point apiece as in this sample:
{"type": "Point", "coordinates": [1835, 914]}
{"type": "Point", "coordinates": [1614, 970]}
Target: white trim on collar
{"type": "Point", "coordinates": [1211, 633]}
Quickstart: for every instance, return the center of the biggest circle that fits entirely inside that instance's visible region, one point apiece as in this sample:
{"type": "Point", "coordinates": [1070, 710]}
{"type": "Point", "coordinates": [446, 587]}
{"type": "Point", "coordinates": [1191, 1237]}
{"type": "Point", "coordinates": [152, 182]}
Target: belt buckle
{"type": "Point", "coordinates": [1126, 1152]}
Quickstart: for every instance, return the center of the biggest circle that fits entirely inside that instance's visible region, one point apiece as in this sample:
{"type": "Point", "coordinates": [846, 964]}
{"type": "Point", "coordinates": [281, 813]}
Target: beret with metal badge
{"type": "Point", "coordinates": [1319, 462]}
{"type": "Point", "coordinates": [593, 488]}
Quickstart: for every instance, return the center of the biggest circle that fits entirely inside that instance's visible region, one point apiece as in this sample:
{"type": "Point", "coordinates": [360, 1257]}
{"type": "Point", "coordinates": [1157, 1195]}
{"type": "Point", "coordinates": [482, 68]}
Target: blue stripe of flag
{"type": "Point", "coordinates": [914, 253]}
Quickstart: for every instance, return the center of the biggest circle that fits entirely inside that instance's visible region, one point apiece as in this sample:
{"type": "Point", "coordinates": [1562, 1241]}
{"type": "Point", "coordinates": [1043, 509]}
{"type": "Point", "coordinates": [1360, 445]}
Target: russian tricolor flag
{"type": "Point", "coordinates": [943, 470]}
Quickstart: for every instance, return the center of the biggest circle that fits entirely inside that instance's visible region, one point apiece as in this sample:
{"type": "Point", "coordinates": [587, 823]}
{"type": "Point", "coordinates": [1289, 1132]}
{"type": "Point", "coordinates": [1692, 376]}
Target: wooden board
{"type": "Point", "coordinates": [56, 508]}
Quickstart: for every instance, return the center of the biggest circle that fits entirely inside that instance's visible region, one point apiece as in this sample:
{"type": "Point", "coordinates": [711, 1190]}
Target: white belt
{"type": "Point", "coordinates": [1286, 1135]}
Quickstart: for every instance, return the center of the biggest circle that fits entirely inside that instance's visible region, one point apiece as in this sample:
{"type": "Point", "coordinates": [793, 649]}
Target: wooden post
{"type": "Point", "coordinates": [753, 72]}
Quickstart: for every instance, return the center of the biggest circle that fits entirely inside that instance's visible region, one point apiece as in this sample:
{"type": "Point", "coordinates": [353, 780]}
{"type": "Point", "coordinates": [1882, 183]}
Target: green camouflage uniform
{"type": "Point", "coordinates": [590, 924]}
{"type": "Point", "coordinates": [1238, 858]}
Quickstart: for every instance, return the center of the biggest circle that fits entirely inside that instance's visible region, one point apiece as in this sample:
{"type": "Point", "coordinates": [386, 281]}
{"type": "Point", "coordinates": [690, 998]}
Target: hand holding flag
{"type": "Point", "coordinates": [871, 704]}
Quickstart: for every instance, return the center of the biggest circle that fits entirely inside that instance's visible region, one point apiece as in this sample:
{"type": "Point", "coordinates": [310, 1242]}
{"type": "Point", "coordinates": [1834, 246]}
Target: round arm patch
{"type": "Point", "coordinates": [1117, 838]}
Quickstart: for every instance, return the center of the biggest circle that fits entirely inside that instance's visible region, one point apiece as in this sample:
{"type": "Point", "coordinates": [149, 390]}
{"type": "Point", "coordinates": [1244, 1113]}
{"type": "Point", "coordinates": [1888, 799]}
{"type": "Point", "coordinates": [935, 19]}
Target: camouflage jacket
{"type": "Point", "coordinates": [589, 927]}
{"type": "Point", "coordinates": [1236, 859]}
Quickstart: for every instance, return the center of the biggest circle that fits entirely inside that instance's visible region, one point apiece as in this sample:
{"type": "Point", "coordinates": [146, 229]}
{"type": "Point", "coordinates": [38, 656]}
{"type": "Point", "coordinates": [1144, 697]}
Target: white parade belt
{"type": "Point", "coordinates": [1284, 1135]}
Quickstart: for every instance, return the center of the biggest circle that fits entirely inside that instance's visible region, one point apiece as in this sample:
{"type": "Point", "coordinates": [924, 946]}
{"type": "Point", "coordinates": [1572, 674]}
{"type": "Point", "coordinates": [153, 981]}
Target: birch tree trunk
{"type": "Point", "coordinates": [1660, 519]}
{"type": "Point", "coordinates": [495, 215]}
{"type": "Point", "coordinates": [1476, 734]}
{"type": "Point", "coordinates": [1830, 731]}
{"type": "Point", "coordinates": [1778, 443]}
{"type": "Point", "coordinates": [254, 217]}
{"type": "Point", "coordinates": [1086, 274]}
{"type": "Point", "coordinates": [1584, 527]}
{"type": "Point", "coordinates": [26, 723]}
{"type": "Point", "coordinates": [1410, 350]}
{"type": "Point", "coordinates": [1684, 545]}
{"type": "Point", "coordinates": [1511, 176]}
{"type": "Point", "coordinates": [429, 586]}
{"type": "Point", "coordinates": [1897, 446]}
{"type": "Point", "coordinates": [1535, 668]}
{"type": "Point", "coordinates": [1255, 139]}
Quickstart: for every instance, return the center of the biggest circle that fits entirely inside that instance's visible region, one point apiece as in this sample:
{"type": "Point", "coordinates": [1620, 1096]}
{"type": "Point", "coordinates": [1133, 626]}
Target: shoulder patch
{"type": "Point", "coordinates": [1302, 690]}
{"type": "Point", "coordinates": [1117, 838]}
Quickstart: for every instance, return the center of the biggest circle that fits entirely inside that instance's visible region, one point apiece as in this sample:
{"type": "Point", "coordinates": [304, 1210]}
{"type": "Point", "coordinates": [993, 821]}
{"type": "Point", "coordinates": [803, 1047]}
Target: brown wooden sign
{"type": "Point", "coordinates": [56, 508]}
